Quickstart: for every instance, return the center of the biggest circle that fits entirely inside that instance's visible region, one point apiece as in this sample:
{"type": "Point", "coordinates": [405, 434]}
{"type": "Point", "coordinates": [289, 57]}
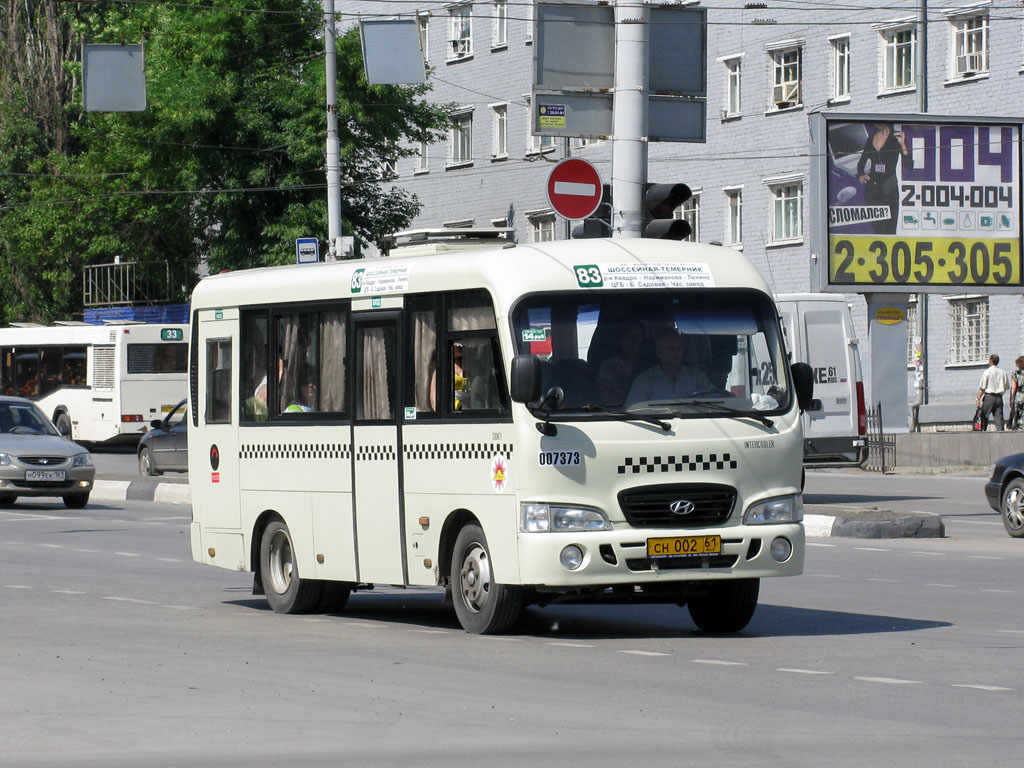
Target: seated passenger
{"type": "Point", "coordinates": [671, 378]}
{"type": "Point", "coordinates": [617, 370]}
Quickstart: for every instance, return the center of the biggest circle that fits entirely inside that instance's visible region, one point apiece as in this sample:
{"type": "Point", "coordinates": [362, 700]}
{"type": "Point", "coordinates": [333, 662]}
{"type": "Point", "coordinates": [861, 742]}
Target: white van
{"type": "Point", "coordinates": [819, 331]}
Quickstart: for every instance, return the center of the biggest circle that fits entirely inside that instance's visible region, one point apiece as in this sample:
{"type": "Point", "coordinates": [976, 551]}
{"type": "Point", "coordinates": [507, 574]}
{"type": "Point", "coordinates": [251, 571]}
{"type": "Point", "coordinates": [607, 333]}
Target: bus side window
{"type": "Point", "coordinates": [421, 351]}
{"type": "Point", "coordinates": [73, 372]}
{"type": "Point", "coordinates": [218, 381]}
{"type": "Point", "coordinates": [7, 372]}
{"type": "Point", "coordinates": [253, 392]}
{"type": "Point", "coordinates": [49, 373]}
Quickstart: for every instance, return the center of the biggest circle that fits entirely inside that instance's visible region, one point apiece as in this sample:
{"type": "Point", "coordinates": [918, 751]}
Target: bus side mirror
{"type": "Point", "coordinates": [803, 382]}
{"type": "Point", "coordinates": [525, 382]}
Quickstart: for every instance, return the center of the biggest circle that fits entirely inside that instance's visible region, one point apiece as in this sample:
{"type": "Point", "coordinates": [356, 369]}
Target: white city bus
{"type": "Point", "coordinates": [491, 421]}
{"type": "Point", "coordinates": [98, 383]}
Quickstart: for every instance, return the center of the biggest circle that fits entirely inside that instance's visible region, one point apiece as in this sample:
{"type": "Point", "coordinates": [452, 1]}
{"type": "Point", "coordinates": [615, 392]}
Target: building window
{"type": "Point", "coordinates": [899, 64]}
{"type": "Point", "coordinates": [690, 213]}
{"type": "Point", "coordinates": [788, 209]}
{"type": "Point", "coordinates": [969, 46]}
{"type": "Point", "coordinates": [460, 35]}
{"type": "Point", "coordinates": [500, 24]}
{"type": "Point", "coordinates": [460, 139]}
{"type": "Point", "coordinates": [584, 142]}
{"type": "Point", "coordinates": [499, 133]}
{"type": "Point", "coordinates": [733, 77]}
{"type": "Point", "coordinates": [424, 24]}
{"type": "Point", "coordinates": [542, 227]}
{"type": "Point", "coordinates": [535, 145]}
{"type": "Point", "coordinates": [734, 218]}
{"type": "Point", "coordinates": [422, 158]}
{"type": "Point", "coordinates": [840, 68]}
{"type": "Point", "coordinates": [968, 334]}
{"type": "Point", "coordinates": [786, 77]}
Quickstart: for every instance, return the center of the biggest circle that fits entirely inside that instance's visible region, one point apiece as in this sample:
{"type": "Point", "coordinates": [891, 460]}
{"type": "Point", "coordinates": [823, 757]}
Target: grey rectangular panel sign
{"type": "Point", "coordinates": [678, 50]}
{"type": "Point", "coordinates": [675, 119]}
{"type": "Point", "coordinates": [391, 51]}
{"type": "Point", "coordinates": [574, 46]}
{"type": "Point", "coordinates": [579, 115]}
{"type": "Point", "coordinates": [113, 78]}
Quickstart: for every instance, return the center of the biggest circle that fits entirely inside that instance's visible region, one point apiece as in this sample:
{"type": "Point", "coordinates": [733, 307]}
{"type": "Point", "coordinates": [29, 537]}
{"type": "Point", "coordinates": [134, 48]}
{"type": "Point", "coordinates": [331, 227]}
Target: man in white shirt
{"type": "Point", "coordinates": [994, 382]}
{"type": "Point", "coordinates": [671, 379]}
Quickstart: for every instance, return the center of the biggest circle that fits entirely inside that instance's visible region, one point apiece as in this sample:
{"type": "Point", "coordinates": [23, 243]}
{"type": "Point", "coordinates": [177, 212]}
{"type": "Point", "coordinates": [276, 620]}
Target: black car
{"type": "Point", "coordinates": [165, 447]}
{"type": "Point", "coordinates": [1005, 492]}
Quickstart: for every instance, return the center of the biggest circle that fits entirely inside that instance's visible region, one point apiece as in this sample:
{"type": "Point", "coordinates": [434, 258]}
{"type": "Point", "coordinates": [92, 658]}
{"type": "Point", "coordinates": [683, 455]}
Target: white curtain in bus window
{"type": "Point", "coordinates": [254, 368]}
{"type": "Point", "coordinates": [293, 364]}
{"type": "Point", "coordinates": [332, 362]}
{"type": "Point", "coordinates": [424, 350]}
{"type": "Point", "coordinates": [471, 319]}
{"type": "Point", "coordinates": [218, 381]}
{"type": "Point", "coordinates": [375, 401]}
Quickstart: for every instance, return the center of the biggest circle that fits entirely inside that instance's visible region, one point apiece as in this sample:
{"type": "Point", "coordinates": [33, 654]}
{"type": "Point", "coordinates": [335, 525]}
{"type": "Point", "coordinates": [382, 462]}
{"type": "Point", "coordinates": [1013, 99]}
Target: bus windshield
{"type": "Point", "coordinates": [692, 353]}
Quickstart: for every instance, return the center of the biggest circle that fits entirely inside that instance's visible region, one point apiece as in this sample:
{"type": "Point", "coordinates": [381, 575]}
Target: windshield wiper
{"type": "Point", "coordinates": [711, 405]}
{"type": "Point", "coordinates": [622, 415]}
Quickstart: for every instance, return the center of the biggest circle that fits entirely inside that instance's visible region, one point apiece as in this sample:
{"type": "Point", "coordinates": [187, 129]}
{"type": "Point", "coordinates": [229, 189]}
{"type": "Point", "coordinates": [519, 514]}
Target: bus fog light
{"type": "Point", "coordinates": [781, 549]}
{"type": "Point", "coordinates": [571, 557]}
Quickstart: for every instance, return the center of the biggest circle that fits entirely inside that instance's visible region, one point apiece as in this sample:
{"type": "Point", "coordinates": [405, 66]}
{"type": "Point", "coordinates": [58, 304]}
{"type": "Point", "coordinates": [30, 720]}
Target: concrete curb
{"type": "Point", "coordinates": [141, 490]}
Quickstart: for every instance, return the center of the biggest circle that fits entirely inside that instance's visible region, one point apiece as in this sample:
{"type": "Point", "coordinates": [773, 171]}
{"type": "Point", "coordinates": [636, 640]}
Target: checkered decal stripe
{"type": "Point", "coordinates": [698, 463]}
{"type": "Point", "coordinates": [376, 453]}
{"type": "Point", "coordinates": [455, 451]}
{"type": "Point", "coordinates": [295, 451]}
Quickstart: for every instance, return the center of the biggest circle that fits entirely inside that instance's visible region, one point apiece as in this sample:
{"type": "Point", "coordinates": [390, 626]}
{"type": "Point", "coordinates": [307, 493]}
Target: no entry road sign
{"type": "Point", "coordinates": [574, 188]}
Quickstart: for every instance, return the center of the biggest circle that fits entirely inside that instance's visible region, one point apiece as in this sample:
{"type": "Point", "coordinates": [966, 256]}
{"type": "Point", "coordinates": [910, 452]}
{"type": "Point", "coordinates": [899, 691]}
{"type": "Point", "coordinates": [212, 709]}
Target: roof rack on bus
{"type": "Point", "coordinates": [70, 322]}
{"type": "Point", "coordinates": [26, 325]}
{"type": "Point", "coordinates": [444, 239]}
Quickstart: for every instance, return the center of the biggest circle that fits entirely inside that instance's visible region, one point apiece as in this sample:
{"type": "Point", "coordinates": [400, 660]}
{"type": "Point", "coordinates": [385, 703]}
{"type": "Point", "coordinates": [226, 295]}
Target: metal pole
{"type": "Point", "coordinates": [629, 140]}
{"type": "Point", "coordinates": [922, 56]}
{"type": "Point", "coordinates": [333, 146]}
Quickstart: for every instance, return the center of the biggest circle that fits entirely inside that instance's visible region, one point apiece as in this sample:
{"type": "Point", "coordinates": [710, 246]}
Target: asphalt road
{"type": "Point", "coordinates": [119, 651]}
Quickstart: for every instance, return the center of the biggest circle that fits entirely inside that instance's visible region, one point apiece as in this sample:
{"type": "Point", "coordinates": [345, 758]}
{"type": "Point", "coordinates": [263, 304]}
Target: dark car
{"type": "Point", "coordinates": [165, 447]}
{"type": "Point", "coordinates": [1005, 492]}
{"type": "Point", "coordinates": [36, 460]}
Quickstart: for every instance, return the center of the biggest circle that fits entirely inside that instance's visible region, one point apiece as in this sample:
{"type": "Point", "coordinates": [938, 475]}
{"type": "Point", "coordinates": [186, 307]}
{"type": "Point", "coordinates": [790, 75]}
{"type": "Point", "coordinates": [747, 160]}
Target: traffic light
{"type": "Point", "coordinates": [660, 203]}
{"type": "Point", "coordinates": [599, 223]}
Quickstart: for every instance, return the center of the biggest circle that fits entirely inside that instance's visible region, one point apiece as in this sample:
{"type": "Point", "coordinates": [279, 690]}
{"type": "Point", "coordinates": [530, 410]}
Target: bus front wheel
{"type": "Point", "coordinates": [483, 607]}
{"type": "Point", "coordinates": [727, 607]}
{"type": "Point", "coordinates": [285, 590]}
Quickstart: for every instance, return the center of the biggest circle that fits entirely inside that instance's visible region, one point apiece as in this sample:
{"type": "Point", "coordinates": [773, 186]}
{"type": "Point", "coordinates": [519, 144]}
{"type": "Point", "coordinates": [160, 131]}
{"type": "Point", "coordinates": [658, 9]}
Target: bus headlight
{"type": "Point", "coordinates": [539, 518]}
{"type": "Point", "coordinates": [784, 509]}
{"type": "Point", "coordinates": [82, 460]}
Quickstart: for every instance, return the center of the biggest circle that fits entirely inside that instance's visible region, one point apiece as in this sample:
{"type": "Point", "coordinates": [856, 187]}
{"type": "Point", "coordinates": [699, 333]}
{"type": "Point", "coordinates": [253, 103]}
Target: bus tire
{"type": "Point", "coordinates": [285, 590]}
{"type": "Point", "coordinates": [146, 467]}
{"type": "Point", "coordinates": [63, 423]}
{"type": "Point", "coordinates": [482, 606]}
{"type": "Point", "coordinates": [727, 607]}
{"type": "Point", "coordinates": [335, 596]}
{"type": "Point", "coordinates": [76, 500]}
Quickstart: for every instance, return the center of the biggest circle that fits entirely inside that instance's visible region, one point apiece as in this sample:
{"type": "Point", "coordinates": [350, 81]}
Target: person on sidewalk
{"type": "Point", "coordinates": [994, 382]}
{"type": "Point", "coordinates": [1017, 394]}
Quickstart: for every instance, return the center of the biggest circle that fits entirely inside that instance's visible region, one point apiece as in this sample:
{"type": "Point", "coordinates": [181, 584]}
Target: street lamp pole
{"type": "Point", "coordinates": [333, 145]}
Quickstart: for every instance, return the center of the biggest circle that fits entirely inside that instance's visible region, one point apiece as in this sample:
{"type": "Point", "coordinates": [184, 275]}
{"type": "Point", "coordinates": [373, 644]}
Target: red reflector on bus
{"type": "Point", "coordinates": [125, 417]}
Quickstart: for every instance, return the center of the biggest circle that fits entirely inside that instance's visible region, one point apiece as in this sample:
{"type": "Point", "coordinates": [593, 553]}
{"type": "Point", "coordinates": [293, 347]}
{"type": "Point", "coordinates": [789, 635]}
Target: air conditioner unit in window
{"type": "Point", "coordinates": [460, 48]}
{"type": "Point", "coordinates": [786, 95]}
{"type": "Point", "coordinates": [968, 64]}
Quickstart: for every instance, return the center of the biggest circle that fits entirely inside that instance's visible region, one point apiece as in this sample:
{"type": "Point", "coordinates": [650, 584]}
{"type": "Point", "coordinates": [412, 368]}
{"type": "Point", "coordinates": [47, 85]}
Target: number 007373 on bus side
{"type": "Point", "coordinates": [684, 546]}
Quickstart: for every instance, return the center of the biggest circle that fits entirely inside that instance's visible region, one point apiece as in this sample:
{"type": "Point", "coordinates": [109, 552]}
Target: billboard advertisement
{"type": "Point", "coordinates": [913, 203]}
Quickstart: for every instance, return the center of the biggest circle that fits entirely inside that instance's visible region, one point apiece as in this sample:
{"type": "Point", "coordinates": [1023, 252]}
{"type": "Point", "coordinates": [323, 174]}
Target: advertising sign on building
{"type": "Point", "coordinates": [911, 204]}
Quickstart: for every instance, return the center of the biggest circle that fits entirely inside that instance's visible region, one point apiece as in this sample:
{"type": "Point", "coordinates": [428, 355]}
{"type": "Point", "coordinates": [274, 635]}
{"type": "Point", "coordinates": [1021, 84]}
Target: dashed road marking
{"type": "Point", "coordinates": [820, 544]}
{"type": "Point", "coordinates": [872, 549]}
{"type": "Point", "coordinates": [885, 581]}
{"type": "Point", "coordinates": [888, 680]}
{"type": "Point", "coordinates": [431, 631]}
{"type": "Point", "coordinates": [17, 586]}
{"type": "Point", "coordinates": [180, 607]}
{"type": "Point", "coordinates": [944, 586]}
{"type": "Point", "coordinates": [803, 671]}
{"type": "Point", "coordinates": [52, 546]}
{"type": "Point", "coordinates": [70, 592]}
{"type": "Point", "coordinates": [983, 687]}
{"type": "Point", "coordinates": [645, 653]}
{"type": "Point", "coordinates": [127, 554]}
{"type": "Point", "coordinates": [136, 600]}
{"type": "Point", "coordinates": [571, 645]}
{"type": "Point", "coordinates": [984, 557]}
{"type": "Point", "coordinates": [924, 552]}
{"type": "Point", "coordinates": [720, 662]}
{"type": "Point", "coordinates": [169, 559]}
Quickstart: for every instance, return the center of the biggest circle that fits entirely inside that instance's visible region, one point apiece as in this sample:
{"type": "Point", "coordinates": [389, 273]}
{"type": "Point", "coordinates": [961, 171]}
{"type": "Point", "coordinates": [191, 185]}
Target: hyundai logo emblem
{"type": "Point", "coordinates": [681, 507]}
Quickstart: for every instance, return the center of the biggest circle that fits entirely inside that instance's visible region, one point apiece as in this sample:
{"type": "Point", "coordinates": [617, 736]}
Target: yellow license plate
{"type": "Point", "coordinates": [684, 546]}
{"type": "Point", "coordinates": [166, 408]}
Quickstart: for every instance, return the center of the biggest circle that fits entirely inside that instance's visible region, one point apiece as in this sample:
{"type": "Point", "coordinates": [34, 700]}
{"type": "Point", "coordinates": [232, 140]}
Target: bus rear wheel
{"type": "Point", "coordinates": [727, 607]}
{"type": "Point", "coordinates": [483, 607]}
{"type": "Point", "coordinates": [285, 590]}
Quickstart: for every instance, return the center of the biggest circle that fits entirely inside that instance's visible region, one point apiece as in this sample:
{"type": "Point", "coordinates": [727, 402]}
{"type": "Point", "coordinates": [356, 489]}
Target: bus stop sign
{"type": "Point", "coordinates": [574, 188]}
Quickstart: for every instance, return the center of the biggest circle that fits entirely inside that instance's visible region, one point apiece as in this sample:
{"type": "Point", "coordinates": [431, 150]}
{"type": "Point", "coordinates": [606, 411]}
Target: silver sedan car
{"type": "Point", "coordinates": [35, 460]}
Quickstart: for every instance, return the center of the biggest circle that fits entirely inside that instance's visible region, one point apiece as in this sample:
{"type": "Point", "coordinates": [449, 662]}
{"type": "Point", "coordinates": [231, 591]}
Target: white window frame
{"type": "Point", "coordinates": [969, 42]}
{"type": "Point", "coordinates": [460, 31]}
{"type": "Point", "coordinates": [968, 330]}
{"type": "Point", "coordinates": [422, 158]}
{"type": "Point", "coordinates": [732, 96]}
{"type": "Point", "coordinates": [499, 131]}
{"type": "Point", "coordinates": [689, 211]}
{"type": "Point", "coordinates": [787, 196]}
{"type": "Point", "coordinates": [460, 138]}
{"type": "Point", "coordinates": [423, 22]}
{"type": "Point", "coordinates": [542, 226]}
{"type": "Point", "coordinates": [840, 50]}
{"type": "Point", "coordinates": [894, 52]}
{"type": "Point", "coordinates": [734, 217]}
{"type": "Point", "coordinates": [530, 12]}
{"type": "Point", "coordinates": [536, 145]}
{"type": "Point", "coordinates": [500, 37]}
{"type": "Point", "coordinates": [785, 61]}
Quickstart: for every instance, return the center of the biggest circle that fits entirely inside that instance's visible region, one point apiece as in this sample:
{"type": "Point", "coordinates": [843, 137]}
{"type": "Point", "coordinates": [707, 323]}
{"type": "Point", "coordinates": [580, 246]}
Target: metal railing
{"type": "Point", "coordinates": [126, 283]}
{"type": "Point", "coordinates": [881, 447]}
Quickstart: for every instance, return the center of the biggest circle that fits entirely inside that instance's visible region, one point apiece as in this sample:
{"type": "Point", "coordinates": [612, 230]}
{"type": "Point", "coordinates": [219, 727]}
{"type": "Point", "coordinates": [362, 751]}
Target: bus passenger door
{"type": "Point", "coordinates": [377, 492]}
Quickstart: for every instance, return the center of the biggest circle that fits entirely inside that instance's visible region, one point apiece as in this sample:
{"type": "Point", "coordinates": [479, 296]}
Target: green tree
{"type": "Point", "coordinates": [226, 163]}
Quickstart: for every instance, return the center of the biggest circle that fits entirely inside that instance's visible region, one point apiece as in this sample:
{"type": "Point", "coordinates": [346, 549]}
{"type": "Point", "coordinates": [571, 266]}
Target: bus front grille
{"type": "Point", "coordinates": [678, 505]}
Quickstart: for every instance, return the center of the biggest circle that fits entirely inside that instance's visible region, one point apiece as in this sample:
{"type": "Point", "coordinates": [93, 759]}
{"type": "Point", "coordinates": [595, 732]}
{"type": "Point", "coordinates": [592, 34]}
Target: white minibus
{"type": "Point", "coordinates": [596, 420]}
{"type": "Point", "coordinates": [97, 383]}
